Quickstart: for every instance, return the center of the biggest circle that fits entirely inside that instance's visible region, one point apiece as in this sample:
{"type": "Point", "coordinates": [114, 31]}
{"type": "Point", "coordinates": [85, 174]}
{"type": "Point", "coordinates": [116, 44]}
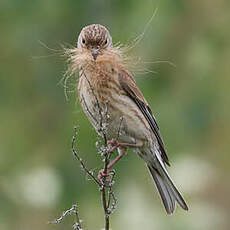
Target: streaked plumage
{"type": "Point", "coordinates": [110, 98]}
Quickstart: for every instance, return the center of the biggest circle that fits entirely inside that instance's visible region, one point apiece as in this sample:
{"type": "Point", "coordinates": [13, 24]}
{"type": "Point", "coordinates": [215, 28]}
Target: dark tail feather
{"type": "Point", "coordinates": [168, 192]}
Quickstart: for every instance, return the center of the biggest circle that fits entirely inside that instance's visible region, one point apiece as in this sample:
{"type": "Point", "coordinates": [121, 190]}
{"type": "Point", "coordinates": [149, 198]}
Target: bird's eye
{"type": "Point", "coordinates": [105, 42]}
{"type": "Point", "coordinates": [83, 40]}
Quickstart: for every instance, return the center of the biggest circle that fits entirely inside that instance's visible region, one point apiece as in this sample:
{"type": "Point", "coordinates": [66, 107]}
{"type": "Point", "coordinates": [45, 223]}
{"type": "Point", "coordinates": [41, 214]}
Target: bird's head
{"type": "Point", "coordinates": [95, 38]}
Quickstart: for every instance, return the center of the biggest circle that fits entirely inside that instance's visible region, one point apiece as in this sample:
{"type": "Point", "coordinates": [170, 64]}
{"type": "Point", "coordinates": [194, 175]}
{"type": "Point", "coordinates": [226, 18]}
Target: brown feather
{"type": "Point", "coordinates": [129, 85]}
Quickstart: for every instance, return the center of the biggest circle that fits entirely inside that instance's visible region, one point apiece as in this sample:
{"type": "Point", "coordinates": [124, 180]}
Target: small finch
{"type": "Point", "coordinates": [116, 107]}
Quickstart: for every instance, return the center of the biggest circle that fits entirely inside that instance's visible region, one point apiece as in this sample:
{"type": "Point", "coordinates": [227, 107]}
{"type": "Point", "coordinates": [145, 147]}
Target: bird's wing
{"type": "Point", "coordinates": [129, 85]}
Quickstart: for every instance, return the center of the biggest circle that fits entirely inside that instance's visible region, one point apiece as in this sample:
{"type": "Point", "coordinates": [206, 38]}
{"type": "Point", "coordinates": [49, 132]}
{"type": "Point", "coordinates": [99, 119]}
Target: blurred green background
{"type": "Point", "coordinates": [39, 178]}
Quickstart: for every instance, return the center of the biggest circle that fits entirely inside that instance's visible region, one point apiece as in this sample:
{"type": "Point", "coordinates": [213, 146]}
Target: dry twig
{"type": "Point", "coordinates": [108, 198]}
{"type": "Point", "coordinates": [73, 209]}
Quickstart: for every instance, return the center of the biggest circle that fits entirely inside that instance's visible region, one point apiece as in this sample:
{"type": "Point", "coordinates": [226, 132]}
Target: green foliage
{"type": "Point", "coordinates": [190, 102]}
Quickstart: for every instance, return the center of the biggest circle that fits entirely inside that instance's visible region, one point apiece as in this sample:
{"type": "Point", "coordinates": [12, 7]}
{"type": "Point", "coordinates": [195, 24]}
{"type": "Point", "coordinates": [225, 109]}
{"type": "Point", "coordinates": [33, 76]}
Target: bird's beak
{"type": "Point", "coordinates": [95, 52]}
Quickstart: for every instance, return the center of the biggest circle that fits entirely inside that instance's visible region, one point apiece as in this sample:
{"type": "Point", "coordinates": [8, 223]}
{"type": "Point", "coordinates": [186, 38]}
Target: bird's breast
{"type": "Point", "coordinates": [106, 104]}
{"type": "Point", "coordinates": [98, 86]}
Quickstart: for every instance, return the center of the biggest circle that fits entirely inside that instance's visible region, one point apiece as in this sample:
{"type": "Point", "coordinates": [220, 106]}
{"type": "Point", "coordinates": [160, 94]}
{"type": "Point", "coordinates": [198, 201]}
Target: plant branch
{"type": "Point", "coordinates": [73, 209]}
{"type": "Point", "coordinates": [106, 181]}
{"type": "Point", "coordinates": [75, 153]}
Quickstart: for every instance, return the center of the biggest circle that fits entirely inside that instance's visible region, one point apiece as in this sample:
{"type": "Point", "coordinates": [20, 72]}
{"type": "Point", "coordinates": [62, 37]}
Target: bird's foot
{"type": "Point", "coordinates": [115, 144]}
{"type": "Point", "coordinates": [102, 174]}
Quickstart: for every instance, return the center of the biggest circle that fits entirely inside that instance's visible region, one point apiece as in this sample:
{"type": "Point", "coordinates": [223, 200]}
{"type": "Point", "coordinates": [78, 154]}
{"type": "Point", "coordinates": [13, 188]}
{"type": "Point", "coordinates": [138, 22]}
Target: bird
{"type": "Point", "coordinates": [117, 108]}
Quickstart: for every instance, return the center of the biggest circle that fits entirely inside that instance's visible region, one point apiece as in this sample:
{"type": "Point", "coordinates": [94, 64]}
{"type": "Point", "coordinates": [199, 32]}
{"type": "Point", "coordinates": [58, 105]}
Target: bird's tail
{"type": "Point", "coordinates": [167, 190]}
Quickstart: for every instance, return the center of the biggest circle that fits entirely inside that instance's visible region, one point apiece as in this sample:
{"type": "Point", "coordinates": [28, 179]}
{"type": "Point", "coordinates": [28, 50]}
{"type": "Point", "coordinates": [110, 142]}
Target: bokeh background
{"type": "Point", "coordinates": [186, 47]}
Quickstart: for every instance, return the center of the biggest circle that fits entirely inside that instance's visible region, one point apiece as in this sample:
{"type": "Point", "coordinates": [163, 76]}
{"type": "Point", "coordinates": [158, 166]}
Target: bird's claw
{"type": "Point", "coordinates": [102, 174]}
{"type": "Point", "coordinates": [114, 144]}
